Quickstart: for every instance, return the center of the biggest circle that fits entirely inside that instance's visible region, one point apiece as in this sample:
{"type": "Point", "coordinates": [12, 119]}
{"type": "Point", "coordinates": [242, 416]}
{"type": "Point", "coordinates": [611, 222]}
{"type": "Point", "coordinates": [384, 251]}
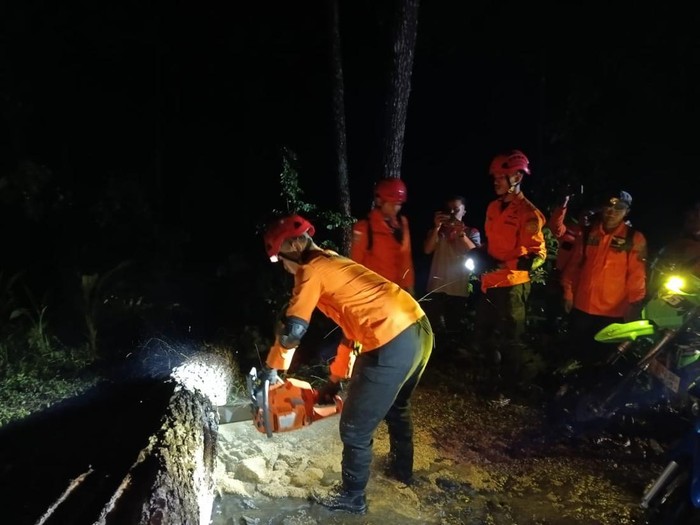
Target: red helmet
{"type": "Point", "coordinates": [282, 229]}
{"type": "Point", "coordinates": [509, 163]}
{"type": "Point", "coordinates": [391, 190]}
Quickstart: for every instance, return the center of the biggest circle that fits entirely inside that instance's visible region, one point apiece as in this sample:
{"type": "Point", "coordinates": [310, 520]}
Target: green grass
{"type": "Point", "coordinates": [23, 394]}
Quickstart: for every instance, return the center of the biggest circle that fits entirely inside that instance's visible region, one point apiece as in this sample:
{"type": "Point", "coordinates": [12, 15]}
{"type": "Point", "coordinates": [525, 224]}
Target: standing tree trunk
{"type": "Point", "coordinates": [341, 154]}
{"type": "Point", "coordinates": [404, 44]}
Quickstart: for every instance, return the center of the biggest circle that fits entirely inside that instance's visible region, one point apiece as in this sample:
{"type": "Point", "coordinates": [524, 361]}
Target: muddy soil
{"type": "Point", "coordinates": [479, 459]}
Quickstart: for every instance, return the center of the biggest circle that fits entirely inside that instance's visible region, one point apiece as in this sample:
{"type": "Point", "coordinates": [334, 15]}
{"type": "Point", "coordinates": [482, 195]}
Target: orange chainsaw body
{"type": "Point", "coordinates": [291, 405]}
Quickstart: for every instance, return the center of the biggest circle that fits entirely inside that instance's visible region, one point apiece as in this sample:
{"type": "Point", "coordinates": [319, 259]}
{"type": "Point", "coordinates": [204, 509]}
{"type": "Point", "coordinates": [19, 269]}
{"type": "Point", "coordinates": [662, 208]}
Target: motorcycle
{"type": "Point", "coordinates": [674, 496]}
{"type": "Point", "coordinates": [663, 345]}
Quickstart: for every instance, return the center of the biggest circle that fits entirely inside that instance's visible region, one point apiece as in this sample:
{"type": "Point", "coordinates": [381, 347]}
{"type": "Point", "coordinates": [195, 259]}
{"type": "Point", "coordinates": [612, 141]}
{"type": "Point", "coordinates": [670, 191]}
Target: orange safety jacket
{"type": "Point", "coordinates": [566, 235]}
{"type": "Point", "coordinates": [512, 232]}
{"type": "Point", "coordinates": [369, 309]}
{"type": "Point", "coordinates": [605, 274]}
{"type": "Point", "coordinates": [383, 253]}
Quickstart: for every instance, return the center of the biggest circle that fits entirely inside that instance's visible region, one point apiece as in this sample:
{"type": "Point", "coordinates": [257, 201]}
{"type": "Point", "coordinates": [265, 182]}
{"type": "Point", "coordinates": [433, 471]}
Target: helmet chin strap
{"type": "Point", "coordinates": [512, 184]}
{"type": "Point", "coordinates": [299, 246]}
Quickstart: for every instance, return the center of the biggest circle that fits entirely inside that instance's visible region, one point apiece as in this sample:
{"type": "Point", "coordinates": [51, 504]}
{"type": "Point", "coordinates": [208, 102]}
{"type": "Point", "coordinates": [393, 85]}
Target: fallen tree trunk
{"type": "Point", "coordinates": [172, 479]}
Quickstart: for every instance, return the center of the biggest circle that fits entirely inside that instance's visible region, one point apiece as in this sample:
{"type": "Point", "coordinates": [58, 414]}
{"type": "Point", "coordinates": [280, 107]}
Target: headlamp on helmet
{"type": "Point", "coordinates": [282, 229]}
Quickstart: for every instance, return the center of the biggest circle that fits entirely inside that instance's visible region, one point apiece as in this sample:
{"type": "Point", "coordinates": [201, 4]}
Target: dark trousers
{"type": "Point", "coordinates": [380, 388]}
{"type": "Point", "coordinates": [447, 313]}
{"type": "Point", "coordinates": [582, 345]}
{"type": "Point", "coordinates": [500, 325]}
{"type": "Point", "coordinates": [554, 301]}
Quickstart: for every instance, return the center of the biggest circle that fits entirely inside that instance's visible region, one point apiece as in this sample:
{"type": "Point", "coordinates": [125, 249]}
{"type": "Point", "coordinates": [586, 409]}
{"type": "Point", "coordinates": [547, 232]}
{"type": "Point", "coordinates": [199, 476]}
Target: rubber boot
{"type": "Point", "coordinates": [400, 458]}
{"type": "Point", "coordinates": [353, 501]}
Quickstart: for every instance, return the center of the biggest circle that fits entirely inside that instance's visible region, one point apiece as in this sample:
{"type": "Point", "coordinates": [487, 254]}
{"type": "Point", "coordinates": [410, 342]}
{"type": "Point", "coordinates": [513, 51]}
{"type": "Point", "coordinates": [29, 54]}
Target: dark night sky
{"type": "Point", "coordinates": [193, 101]}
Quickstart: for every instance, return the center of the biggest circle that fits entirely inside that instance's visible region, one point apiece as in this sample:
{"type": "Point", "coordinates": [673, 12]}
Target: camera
{"type": "Point", "coordinates": [452, 217]}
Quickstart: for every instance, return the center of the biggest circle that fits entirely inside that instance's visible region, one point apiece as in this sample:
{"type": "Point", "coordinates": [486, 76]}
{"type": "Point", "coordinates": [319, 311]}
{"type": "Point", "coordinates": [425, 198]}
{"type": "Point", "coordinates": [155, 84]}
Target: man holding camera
{"type": "Point", "coordinates": [448, 287]}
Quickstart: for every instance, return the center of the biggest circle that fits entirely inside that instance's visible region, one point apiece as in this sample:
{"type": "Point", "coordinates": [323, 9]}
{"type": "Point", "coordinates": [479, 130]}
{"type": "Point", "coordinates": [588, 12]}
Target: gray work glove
{"type": "Point", "coordinates": [269, 374]}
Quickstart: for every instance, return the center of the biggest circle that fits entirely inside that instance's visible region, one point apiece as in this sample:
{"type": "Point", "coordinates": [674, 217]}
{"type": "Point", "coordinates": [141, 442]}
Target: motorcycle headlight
{"type": "Point", "coordinates": [675, 284]}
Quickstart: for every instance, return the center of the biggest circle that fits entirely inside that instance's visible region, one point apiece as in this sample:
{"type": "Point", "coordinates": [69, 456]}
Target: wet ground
{"type": "Point", "coordinates": [480, 459]}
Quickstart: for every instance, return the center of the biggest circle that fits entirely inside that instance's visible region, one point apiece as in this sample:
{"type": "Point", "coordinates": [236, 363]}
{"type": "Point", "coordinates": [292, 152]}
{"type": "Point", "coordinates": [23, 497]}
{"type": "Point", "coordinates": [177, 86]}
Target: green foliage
{"type": "Point", "coordinates": [92, 296]}
{"type": "Point", "coordinates": [23, 393]}
{"type": "Point", "coordinates": [7, 295]}
{"type": "Point", "coordinates": [291, 191]}
{"type": "Point", "coordinates": [292, 195]}
{"type": "Point", "coordinates": [272, 286]}
{"type": "Point", "coordinates": [551, 244]}
{"type": "Point", "coordinates": [27, 346]}
{"type": "Point", "coordinates": [36, 370]}
{"type": "Point", "coordinates": [540, 274]}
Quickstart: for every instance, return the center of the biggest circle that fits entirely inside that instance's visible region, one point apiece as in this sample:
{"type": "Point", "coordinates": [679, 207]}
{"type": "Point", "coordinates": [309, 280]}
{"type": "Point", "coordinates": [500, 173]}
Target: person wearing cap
{"type": "Point", "coordinates": [605, 279]}
{"type": "Point", "coordinates": [382, 241]}
{"type": "Point", "coordinates": [387, 341]}
{"type": "Point", "coordinates": [515, 246]}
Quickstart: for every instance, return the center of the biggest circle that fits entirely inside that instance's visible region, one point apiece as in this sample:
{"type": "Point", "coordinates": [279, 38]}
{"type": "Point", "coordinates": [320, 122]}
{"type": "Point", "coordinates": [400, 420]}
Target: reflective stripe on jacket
{"type": "Point", "coordinates": [511, 233]}
{"type": "Point", "coordinates": [387, 256]}
{"type": "Point", "coordinates": [369, 309]}
{"type": "Point", "coordinates": [609, 275]}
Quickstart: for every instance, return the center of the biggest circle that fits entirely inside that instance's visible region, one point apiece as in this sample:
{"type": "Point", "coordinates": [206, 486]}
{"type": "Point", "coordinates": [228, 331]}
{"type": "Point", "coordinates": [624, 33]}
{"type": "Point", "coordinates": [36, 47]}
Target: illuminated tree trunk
{"type": "Point", "coordinates": [341, 154]}
{"type": "Point", "coordinates": [404, 43]}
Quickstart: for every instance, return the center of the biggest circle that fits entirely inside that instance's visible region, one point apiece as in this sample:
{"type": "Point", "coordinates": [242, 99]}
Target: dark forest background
{"type": "Point", "coordinates": [140, 142]}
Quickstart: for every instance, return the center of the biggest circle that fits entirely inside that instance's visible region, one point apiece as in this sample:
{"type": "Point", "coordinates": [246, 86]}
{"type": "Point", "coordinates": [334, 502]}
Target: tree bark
{"type": "Point", "coordinates": [404, 44]}
{"type": "Point", "coordinates": [171, 482]}
{"type": "Point", "coordinates": [341, 155]}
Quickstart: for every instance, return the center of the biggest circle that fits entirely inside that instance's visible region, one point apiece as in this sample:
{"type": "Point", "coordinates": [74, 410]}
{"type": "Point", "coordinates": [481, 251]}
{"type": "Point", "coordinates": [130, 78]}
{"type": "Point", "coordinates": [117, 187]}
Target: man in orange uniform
{"type": "Point", "coordinates": [565, 232]}
{"type": "Point", "coordinates": [382, 241]}
{"type": "Point", "coordinates": [385, 332]}
{"type": "Point", "coordinates": [515, 245]}
{"type": "Point", "coordinates": [605, 279]}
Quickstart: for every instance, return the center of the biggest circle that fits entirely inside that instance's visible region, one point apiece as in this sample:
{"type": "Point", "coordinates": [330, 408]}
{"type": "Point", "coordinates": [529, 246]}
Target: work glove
{"type": "Point", "coordinates": [269, 374]}
{"type": "Point", "coordinates": [326, 394]}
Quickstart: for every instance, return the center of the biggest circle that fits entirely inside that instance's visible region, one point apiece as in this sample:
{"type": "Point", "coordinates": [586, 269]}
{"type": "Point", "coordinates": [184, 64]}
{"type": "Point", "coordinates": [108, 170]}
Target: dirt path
{"type": "Point", "coordinates": [481, 461]}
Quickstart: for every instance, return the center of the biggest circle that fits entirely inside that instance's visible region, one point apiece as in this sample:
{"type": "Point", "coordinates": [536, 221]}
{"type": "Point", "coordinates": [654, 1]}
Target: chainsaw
{"type": "Point", "coordinates": [286, 405]}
